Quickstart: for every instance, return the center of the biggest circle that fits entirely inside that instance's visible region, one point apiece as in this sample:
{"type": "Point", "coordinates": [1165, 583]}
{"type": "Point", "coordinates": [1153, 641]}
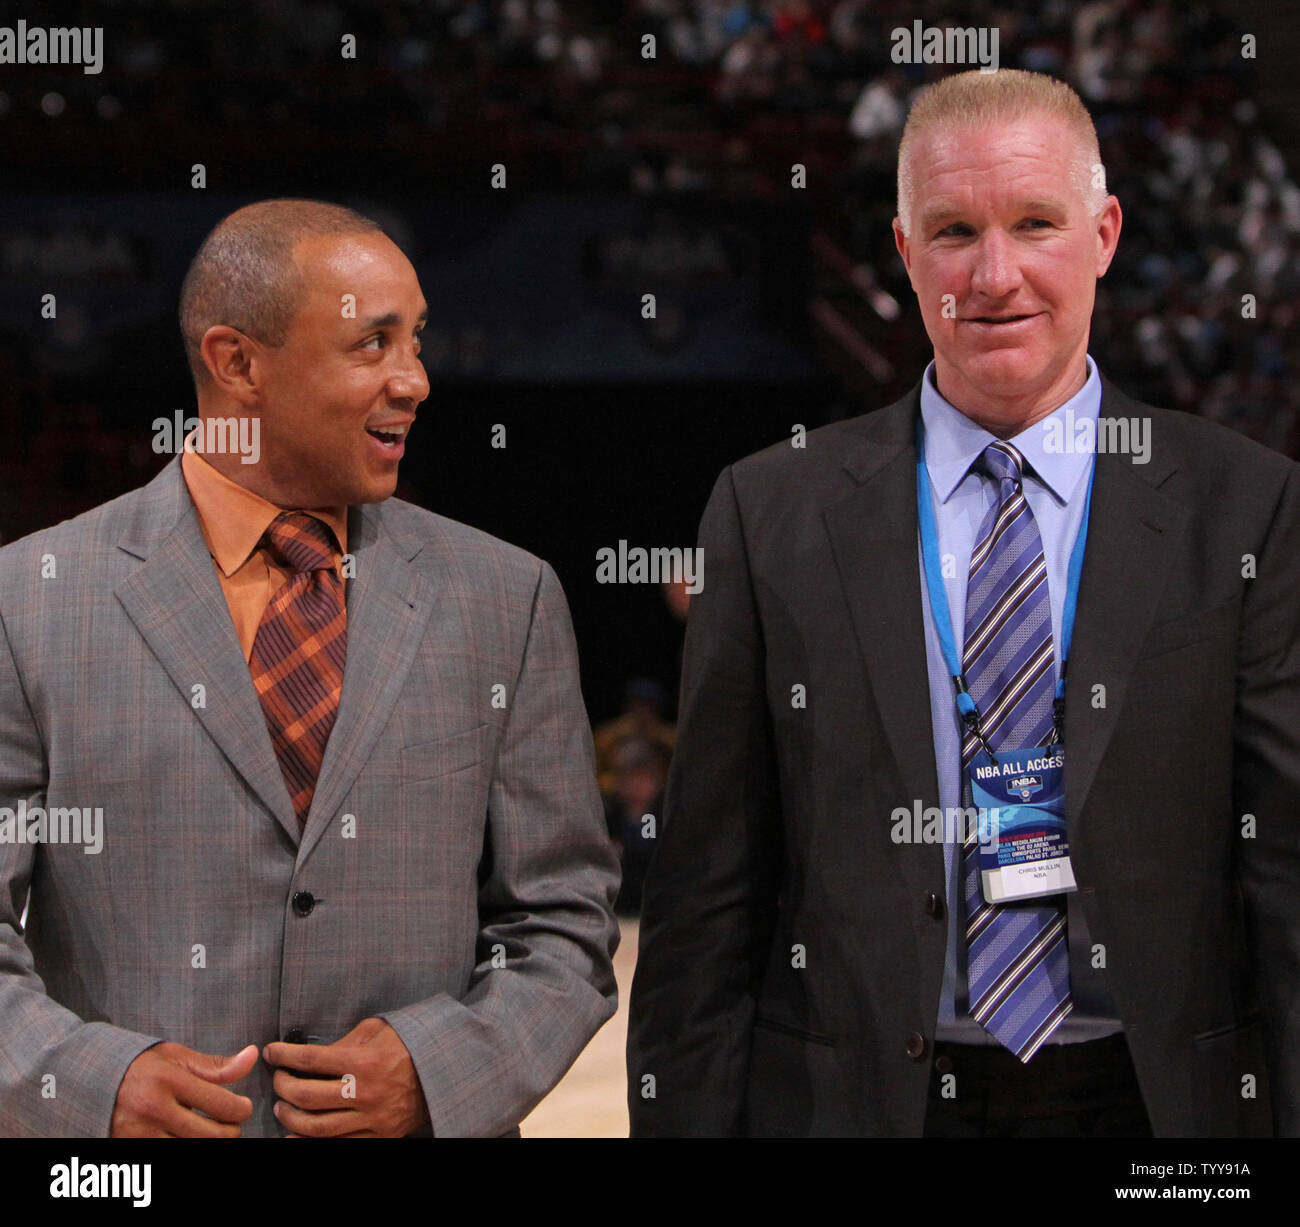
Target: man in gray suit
{"type": "Point", "coordinates": [314, 789]}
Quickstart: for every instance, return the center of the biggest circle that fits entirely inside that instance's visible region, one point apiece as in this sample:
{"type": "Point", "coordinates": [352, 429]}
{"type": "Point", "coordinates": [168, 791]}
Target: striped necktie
{"type": "Point", "coordinates": [299, 652]}
{"type": "Point", "coordinates": [1018, 959]}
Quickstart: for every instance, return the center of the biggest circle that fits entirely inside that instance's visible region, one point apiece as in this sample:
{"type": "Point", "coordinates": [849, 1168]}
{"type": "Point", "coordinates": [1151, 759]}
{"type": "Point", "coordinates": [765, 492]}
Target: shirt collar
{"type": "Point", "coordinates": [234, 519]}
{"type": "Point", "coordinates": [953, 442]}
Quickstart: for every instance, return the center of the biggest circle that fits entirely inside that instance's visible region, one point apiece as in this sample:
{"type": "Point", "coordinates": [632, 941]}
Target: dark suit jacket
{"type": "Point", "coordinates": [777, 823]}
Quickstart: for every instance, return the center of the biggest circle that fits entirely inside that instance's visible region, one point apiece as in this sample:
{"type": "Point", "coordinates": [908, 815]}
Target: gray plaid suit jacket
{"type": "Point", "coordinates": [454, 878]}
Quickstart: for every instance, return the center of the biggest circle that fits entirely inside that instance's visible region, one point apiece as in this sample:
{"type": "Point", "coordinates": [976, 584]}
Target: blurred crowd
{"type": "Point", "coordinates": [678, 97]}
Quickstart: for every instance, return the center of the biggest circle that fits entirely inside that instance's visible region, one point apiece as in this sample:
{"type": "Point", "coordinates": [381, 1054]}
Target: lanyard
{"type": "Point", "coordinates": [939, 596]}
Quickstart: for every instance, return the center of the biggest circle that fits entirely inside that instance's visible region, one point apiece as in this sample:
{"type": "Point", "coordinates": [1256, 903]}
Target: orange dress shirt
{"type": "Point", "coordinates": [233, 520]}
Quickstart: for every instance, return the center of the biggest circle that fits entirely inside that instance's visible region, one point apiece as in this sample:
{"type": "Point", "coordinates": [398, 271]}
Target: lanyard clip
{"type": "Point", "coordinates": [970, 715]}
{"type": "Point", "coordinates": [972, 722]}
{"type": "Point", "coordinates": [1058, 721]}
{"type": "Point", "coordinates": [1058, 709]}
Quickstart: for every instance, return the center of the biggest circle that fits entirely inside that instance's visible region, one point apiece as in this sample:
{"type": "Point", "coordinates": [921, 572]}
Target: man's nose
{"type": "Point", "coordinates": [997, 269]}
{"type": "Point", "coordinates": [410, 381]}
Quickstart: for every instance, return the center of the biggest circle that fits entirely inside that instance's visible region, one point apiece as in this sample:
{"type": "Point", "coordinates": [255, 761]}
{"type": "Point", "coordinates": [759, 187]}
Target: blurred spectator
{"type": "Point", "coordinates": [644, 701]}
{"type": "Point", "coordinates": [880, 109]}
{"type": "Point", "coordinates": [633, 811]}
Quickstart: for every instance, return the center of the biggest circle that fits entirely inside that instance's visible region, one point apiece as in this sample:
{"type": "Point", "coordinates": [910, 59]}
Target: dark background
{"type": "Point", "coordinates": [626, 176]}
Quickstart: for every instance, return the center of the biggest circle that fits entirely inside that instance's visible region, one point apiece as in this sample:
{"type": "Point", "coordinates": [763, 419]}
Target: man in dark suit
{"type": "Point", "coordinates": [817, 956]}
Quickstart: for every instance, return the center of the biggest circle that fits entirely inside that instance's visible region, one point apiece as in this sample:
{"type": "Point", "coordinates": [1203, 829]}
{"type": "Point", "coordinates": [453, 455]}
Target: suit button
{"type": "Point", "coordinates": [916, 1045]}
{"type": "Point", "coordinates": [295, 1035]}
{"type": "Point", "coordinates": [943, 1064]}
{"type": "Point", "coordinates": [303, 902]}
{"type": "Point", "coordinates": [933, 904]}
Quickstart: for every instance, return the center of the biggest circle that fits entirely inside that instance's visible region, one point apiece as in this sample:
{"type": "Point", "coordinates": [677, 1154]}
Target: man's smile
{"type": "Point", "coordinates": [1001, 325]}
{"type": "Point", "coordinates": [1001, 319]}
{"type": "Point", "coordinates": [390, 437]}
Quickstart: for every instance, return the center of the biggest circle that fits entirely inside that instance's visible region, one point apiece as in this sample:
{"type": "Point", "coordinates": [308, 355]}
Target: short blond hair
{"type": "Point", "coordinates": [984, 99]}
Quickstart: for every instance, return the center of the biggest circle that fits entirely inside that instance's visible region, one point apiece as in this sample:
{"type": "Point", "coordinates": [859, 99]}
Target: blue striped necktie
{"type": "Point", "coordinates": [1018, 961]}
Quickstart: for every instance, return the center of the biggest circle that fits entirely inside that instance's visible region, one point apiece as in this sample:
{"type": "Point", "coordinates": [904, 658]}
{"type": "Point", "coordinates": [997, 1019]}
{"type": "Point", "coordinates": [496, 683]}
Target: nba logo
{"type": "Point", "coordinates": [1026, 786]}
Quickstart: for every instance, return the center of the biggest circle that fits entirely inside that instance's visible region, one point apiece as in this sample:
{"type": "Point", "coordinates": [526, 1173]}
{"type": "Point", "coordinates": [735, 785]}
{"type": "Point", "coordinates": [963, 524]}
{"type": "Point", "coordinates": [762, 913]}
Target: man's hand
{"type": "Point", "coordinates": [167, 1086]}
{"type": "Point", "coordinates": [370, 1088]}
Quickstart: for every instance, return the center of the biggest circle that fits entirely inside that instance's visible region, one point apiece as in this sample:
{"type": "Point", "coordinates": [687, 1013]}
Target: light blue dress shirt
{"type": "Point", "coordinates": [1055, 484]}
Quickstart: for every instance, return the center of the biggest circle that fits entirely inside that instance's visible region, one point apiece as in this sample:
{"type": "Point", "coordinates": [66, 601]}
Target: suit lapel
{"type": "Point", "coordinates": [1132, 531]}
{"type": "Point", "coordinates": [176, 603]}
{"type": "Point", "coordinates": [389, 603]}
{"type": "Point", "coordinates": [873, 534]}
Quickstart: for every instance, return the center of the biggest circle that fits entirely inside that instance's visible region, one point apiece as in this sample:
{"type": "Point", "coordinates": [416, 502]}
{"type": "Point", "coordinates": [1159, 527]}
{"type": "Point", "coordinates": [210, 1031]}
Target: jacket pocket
{"type": "Point", "coordinates": [1218, 1033]}
{"type": "Point", "coordinates": [425, 760]}
{"type": "Point", "coordinates": [772, 1024]}
{"type": "Point", "coordinates": [1179, 633]}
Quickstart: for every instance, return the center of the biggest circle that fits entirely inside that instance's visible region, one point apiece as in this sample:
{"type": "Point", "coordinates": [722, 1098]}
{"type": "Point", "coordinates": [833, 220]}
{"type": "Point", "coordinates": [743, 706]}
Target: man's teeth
{"type": "Point", "coordinates": [390, 435]}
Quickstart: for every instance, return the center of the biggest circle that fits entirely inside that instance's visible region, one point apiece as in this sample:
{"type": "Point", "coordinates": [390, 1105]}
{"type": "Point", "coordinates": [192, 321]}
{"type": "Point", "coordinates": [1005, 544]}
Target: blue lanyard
{"type": "Point", "coordinates": [939, 596]}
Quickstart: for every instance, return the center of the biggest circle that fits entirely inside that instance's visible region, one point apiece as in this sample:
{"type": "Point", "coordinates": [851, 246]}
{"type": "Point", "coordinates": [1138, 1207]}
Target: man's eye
{"type": "Point", "coordinates": [1037, 221]}
{"type": "Point", "coordinates": [957, 229]}
{"type": "Point", "coordinates": [369, 341]}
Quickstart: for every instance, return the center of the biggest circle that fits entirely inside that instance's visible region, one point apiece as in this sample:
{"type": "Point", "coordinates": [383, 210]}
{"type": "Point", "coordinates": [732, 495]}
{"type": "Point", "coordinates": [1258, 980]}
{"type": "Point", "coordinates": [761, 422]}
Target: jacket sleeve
{"type": "Point", "coordinates": [711, 893]}
{"type": "Point", "coordinates": [1266, 781]}
{"type": "Point", "coordinates": [544, 979]}
{"type": "Point", "coordinates": [59, 1075]}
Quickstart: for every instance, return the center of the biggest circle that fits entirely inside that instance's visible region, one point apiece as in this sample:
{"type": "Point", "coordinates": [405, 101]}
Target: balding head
{"type": "Point", "coordinates": [245, 276]}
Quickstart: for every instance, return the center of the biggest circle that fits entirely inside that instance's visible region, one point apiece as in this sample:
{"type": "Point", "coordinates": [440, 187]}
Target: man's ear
{"type": "Point", "coordinates": [1108, 222]}
{"type": "Point", "coordinates": [232, 359]}
{"type": "Point", "coordinates": [904, 245]}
